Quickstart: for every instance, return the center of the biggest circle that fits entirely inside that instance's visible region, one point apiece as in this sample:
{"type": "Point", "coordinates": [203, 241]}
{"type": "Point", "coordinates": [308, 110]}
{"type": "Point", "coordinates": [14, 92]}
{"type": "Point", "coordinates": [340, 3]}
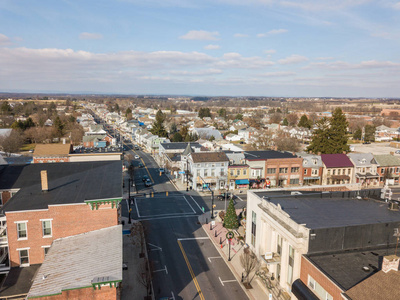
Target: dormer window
{"type": "Point", "coordinates": [314, 161]}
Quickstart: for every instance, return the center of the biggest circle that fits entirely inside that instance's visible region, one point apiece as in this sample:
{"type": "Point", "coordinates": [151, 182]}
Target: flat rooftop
{"type": "Point", "coordinates": [346, 268]}
{"type": "Point", "coordinates": [68, 183]}
{"type": "Point", "coordinates": [332, 209]}
{"type": "Point", "coordinates": [18, 282]}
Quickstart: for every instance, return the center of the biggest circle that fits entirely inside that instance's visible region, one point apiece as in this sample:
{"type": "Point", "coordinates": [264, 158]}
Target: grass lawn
{"type": "Point", "coordinates": [27, 147]}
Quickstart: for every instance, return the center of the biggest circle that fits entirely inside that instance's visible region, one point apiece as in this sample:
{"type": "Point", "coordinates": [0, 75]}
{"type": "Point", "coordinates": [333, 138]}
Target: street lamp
{"type": "Point", "coordinates": [129, 199]}
{"type": "Point", "coordinates": [187, 174]}
{"type": "Point", "coordinates": [226, 194]}
{"type": "Point", "coordinates": [229, 236]}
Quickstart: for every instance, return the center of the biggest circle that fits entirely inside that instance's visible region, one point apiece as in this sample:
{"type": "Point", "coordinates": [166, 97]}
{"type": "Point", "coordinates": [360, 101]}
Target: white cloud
{"type": "Point", "coordinates": [293, 59]}
{"type": "Point", "coordinates": [197, 73]}
{"type": "Point", "coordinates": [240, 35]}
{"type": "Point", "coordinates": [270, 51]}
{"type": "Point", "coordinates": [272, 32]}
{"type": "Point", "coordinates": [4, 40]}
{"type": "Point", "coordinates": [212, 47]}
{"type": "Point", "coordinates": [325, 58]}
{"type": "Point", "coordinates": [277, 74]}
{"type": "Point", "coordinates": [200, 35]}
{"type": "Point", "coordinates": [236, 61]}
{"type": "Point", "coordinates": [90, 36]}
{"type": "Point", "coordinates": [342, 65]}
{"type": "Point", "coordinates": [396, 5]}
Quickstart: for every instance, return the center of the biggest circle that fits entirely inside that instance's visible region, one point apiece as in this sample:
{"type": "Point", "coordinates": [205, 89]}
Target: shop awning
{"type": "Point", "coordinates": [242, 181]}
{"type": "Point", "coordinates": [312, 177]}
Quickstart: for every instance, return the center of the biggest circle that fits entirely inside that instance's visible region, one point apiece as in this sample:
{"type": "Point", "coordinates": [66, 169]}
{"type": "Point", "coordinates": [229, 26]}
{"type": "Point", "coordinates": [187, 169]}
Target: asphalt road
{"type": "Point", "coordinates": [184, 261]}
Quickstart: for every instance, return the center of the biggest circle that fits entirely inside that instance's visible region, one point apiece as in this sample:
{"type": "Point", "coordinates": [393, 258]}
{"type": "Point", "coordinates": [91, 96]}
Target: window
{"type": "Point", "coordinates": [271, 170]}
{"type": "Point", "coordinates": [198, 165]}
{"type": "Point", "coordinates": [212, 172]}
{"type": "Point", "coordinates": [222, 172]}
{"type": "Point", "coordinates": [291, 265]}
{"type": "Point", "coordinates": [318, 289]}
{"type": "Point", "coordinates": [279, 245]}
{"type": "Point", "coordinates": [314, 172]}
{"type": "Point", "coordinates": [205, 172]}
{"type": "Point", "coordinates": [198, 173]}
{"type": "Point", "coordinates": [231, 172]}
{"type": "Point", "coordinates": [338, 171]}
{"type": "Point", "coordinates": [383, 170]}
{"type": "Point", "coordinates": [253, 228]}
{"type": "Point", "coordinates": [305, 171]}
{"type": "Point", "coordinates": [46, 249]}
{"type": "Point", "coordinates": [283, 170]}
{"type": "Point", "coordinates": [22, 230]}
{"type": "Point", "coordinates": [46, 228]}
{"type": "Point", "coordinates": [212, 165]}
{"type": "Point", "coordinates": [294, 181]}
{"type": "Point", "coordinates": [238, 172]}
{"type": "Point", "coordinates": [329, 172]}
{"type": "Point", "coordinates": [333, 172]}
{"type": "Point", "coordinates": [315, 161]}
{"type": "Point", "coordinates": [256, 172]}
{"type": "Point", "coordinates": [244, 172]}
{"type": "Point", "coordinates": [24, 257]}
{"type": "Point", "coordinates": [294, 170]}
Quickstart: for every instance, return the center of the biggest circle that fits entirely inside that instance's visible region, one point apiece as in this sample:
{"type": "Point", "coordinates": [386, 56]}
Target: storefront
{"type": "Point", "coordinates": [242, 184]}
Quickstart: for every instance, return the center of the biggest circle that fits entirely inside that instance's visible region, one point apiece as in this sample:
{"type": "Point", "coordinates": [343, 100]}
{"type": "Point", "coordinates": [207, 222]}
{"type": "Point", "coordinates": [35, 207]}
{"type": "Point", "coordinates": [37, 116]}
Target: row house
{"type": "Point", "coordinates": [274, 168]}
{"type": "Point", "coordinates": [308, 252]}
{"type": "Point", "coordinates": [46, 153]}
{"type": "Point", "coordinates": [338, 169]}
{"type": "Point", "coordinates": [388, 169]}
{"type": "Point", "coordinates": [169, 154]}
{"type": "Point", "coordinates": [98, 140]}
{"type": "Point", "coordinates": [50, 202]}
{"type": "Point", "coordinates": [207, 170]}
{"type": "Point", "coordinates": [366, 166]}
{"type": "Point", "coordinates": [312, 169]}
{"type": "Point", "coordinates": [238, 171]}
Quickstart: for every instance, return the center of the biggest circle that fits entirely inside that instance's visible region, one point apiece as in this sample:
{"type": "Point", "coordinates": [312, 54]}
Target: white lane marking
{"type": "Point", "coordinates": [161, 270]}
{"type": "Point", "coordinates": [195, 238]}
{"type": "Point", "coordinates": [209, 258]}
{"type": "Point", "coordinates": [166, 270]}
{"type": "Point", "coordinates": [222, 282]}
{"type": "Point", "coordinates": [195, 202]}
{"type": "Point", "coordinates": [173, 296]}
{"type": "Point", "coordinates": [137, 209]}
{"type": "Point", "coordinates": [189, 204]}
{"type": "Point", "coordinates": [161, 215]}
{"type": "Point", "coordinates": [239, 198]}
{"type": "Point", "coordinates": [157, 248]}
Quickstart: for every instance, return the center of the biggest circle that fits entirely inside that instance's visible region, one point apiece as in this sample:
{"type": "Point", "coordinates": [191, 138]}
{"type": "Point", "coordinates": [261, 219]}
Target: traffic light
{"type": "Point", "coordinates": [214, 206]}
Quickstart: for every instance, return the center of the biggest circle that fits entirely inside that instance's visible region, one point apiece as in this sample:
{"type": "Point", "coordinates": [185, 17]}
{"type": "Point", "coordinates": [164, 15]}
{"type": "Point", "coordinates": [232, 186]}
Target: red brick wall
{"type": "Point", "coordinates": [105, 293]}
{"type": "Point", "coordinates": [5, 196]}
{"type": "Point", "coordinates": [284, 163]}
{"type": "Point", "coordinates": [67, 220]}
{"type": "Point", "coordinates": [307, 268]}
{"type": "Point", "coordinates": [37, 160]}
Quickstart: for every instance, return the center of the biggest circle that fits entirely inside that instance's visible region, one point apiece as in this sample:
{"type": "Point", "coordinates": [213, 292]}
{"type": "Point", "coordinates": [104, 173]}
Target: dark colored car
{"type": "Point", "coordinates": [141, 165]}
{"type": "Point", "coordinates": [147, 183]}
{"type": "Point", "coordinates": [221, 197]}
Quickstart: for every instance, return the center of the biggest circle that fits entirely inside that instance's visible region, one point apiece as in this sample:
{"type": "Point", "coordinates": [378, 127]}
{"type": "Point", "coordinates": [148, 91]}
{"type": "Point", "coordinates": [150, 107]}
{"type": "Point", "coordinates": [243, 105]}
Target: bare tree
{"type": "Point", "coordinates": [145, 276]}
{"type": "Point", "coordinates": [263, 142]}
{"type": "Point", "coordinates": [292, 119]}
{"type": "Point", "coordinates": [137, 236]}
{"type": "Point", "coordinates": [249, 262]}
{"type": "Point", "coordinates": [286, 143]}
{"type": "Point", "coordinates": [12, 143]}
{"type": "Point", "coordinates": [275, 118]}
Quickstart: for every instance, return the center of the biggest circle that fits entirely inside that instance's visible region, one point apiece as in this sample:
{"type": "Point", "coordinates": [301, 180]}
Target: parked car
{"type": "Point", "coordinates": [162, 170]}
{"type": "Point", "coordinates": [145, 177]}
{"type": "Point", "coordinates": [141, 165]}
{"type": "Point", "coordinates": [137, 156]}
{"type": "Point", "coordinates": [397, 152]}
{"type": "Point", "coordinates": [221, 197]}
{"type": "Point", "coordinates": [137, 147]}
{"type": "Point", "coordinates": [147, 183]}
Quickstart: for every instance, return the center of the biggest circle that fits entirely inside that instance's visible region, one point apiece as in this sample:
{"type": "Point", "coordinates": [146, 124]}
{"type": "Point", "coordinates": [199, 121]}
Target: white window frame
{"type": "Point", "coordinates": [45, 248]}
{"type": "Point", "coordinates": [19, 256]}
{"type": "Point", "coordinates": [26, 230]}
{"type": "Point", "coordinates": [51, 228]}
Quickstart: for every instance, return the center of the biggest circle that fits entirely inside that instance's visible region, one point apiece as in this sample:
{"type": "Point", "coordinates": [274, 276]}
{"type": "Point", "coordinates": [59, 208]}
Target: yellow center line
{"type": "Point", "coordinates": [191, 271]}
{"type": "Point", "coordinates": [148, 172]}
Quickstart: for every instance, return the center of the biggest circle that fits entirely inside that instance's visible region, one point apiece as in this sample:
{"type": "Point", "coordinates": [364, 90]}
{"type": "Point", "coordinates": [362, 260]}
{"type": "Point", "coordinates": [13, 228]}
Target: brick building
{"type": "Point", "coordinates": [45, 153]}
{"type": "Point", "coordinates": [338, 169]}
{"type": "Point", "coordinates": [52, 201]}
{"type": "Point", "coordinates": [388, 169]}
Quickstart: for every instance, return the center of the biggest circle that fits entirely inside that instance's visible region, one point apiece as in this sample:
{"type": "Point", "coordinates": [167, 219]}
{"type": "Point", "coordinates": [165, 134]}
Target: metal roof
{"type": "Point", "coordinates": [78, 261]}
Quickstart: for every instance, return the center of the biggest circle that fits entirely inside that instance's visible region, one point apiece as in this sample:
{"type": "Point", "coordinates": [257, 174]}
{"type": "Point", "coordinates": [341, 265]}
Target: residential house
{"type": "Point", "coordinates": [207, 133]}
{"type": "Point", "coordinates": [247, 134]}
{"type": "Point", "coordinates": [169, 154]}
{"type": "Point", "coordinates": [96, 130]}
{"type": "Point", "coordinates": [338, 169]}
{"type": "Point", "coordinates": [388, 169]}
{"type": "Point", "coordinates": [319, 245]}
{"type": "Point", "coordinates": [238, 171]}
{"type": "Point", "coordinates": [365, 169]}
{"type": "Point", "coordinates": [312, 168]}
{"type": "Point", "coordinates": [49, 202]}
{"type": "Point", "coordinates": [98, 140]}
{"type": "Point", "coordinates": [232, 137]}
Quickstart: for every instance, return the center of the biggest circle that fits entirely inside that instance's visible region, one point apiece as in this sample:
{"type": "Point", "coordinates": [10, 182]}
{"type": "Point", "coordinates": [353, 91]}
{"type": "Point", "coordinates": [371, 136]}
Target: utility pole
{"type": "Point", "coordinates": [187, 174]}
{"type": "Point", "coordinates": [129, 199]}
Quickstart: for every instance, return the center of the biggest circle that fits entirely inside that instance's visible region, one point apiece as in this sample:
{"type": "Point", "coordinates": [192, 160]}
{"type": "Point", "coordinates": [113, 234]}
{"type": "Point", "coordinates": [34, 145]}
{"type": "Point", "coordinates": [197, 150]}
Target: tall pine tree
{"type": "Point", "coordinates": [330, 137]}
{"type": "Point", "coordinates": [158, 125]}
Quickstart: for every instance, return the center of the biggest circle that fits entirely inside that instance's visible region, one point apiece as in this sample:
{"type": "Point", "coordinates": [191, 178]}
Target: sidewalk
{"type": "Point", "coordinates": [220, 243]}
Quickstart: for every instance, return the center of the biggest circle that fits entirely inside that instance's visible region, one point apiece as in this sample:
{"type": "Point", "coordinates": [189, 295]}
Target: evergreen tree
{"type": "Point", "coordinates": [184, 132]}
{"type": "Point", "coordinates": [231, 219]}
{"type": "Point", "coordinates": [357, 135]}
{"type": "Point", "coordinates": [239, 117]}
{"type": "Point", "coordinates": [330, 137]}
{"type": "Point", "coordinates": [173, 129]}
{"type": "Point", "coordinates": [222, 112]}
{"type": "Point", "coordinates": [304, 122]}
{"type": "Point", "coordinates": [285, 122]}
{"type": "Point", "coordinates": [204, 112]}
{"type": "Point", "coordinates": [369, 134]}
{"type": "Point", "coordinates": [158, 125]}
{"type": "Point", "coordinates": [59, 126]}
{"type": "Point", "coordinates": [177, 137]}
{"type": "Point", "coordinates": [128, 113]}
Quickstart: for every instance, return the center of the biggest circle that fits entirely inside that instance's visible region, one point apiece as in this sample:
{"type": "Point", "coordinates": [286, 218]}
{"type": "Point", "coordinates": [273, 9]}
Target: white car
{"type": "Point", "coordinates": [137, 156]}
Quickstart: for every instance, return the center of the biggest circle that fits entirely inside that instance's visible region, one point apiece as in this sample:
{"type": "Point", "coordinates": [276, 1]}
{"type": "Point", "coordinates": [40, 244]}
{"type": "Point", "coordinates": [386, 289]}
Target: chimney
{"type": "Point", "coordinates": [45, 184]}
{"type": "Point", "coordinates": [390, 262]}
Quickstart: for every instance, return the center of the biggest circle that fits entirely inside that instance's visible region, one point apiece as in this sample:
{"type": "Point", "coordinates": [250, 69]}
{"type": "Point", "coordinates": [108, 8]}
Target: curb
{"type": "Point", "coordinates": [238, 279]}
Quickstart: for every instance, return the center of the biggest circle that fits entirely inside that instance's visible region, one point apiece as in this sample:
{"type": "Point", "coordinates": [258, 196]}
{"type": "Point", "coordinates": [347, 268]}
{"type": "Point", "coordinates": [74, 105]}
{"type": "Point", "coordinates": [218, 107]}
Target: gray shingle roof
{"type": "Point", "coordinates": [387, 160]}
{"type": "Point", "coordinates": [74, 262]}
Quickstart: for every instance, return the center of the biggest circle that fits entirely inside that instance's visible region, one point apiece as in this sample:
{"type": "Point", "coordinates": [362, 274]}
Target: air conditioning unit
{"type": "Point", "coordinates": [393, 205]}
{"type": "Point", "coordinates": [269, 255]}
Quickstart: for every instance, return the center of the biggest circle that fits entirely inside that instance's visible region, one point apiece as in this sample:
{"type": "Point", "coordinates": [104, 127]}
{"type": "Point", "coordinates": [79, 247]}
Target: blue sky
{"type": "Point", "coordinates": [342, 48]}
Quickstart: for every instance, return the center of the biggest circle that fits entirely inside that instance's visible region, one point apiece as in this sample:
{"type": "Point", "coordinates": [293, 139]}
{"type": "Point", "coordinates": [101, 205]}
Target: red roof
{"type": "Point", "coordinates": [336, 160]}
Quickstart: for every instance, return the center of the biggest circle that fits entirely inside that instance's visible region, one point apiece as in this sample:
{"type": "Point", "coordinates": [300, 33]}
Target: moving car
{"type": "Point", "coordinates": [147, 183]}
{"type": "Point", "coordinates": [221, 197]}
{"type": "Point", "coordinates": [137, 156]}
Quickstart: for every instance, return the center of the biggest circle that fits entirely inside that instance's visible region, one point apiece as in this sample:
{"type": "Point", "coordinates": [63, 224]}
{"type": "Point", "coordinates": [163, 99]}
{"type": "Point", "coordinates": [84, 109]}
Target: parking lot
{"type": "Point", "coordinates": [374, 148]}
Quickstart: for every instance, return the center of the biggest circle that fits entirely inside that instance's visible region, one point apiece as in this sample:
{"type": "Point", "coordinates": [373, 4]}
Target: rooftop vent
{"type": "Point", "coordinates": [393, 205]}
